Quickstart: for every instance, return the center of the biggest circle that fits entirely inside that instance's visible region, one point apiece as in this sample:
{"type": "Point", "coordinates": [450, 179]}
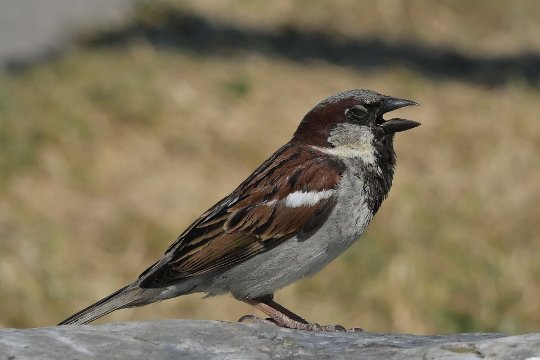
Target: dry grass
{"type": "Point", "coordinates": [109, 153]}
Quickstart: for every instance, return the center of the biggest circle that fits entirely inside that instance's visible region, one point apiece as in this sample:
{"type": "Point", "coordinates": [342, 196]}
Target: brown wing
{"type": "Point", "coordinates": [253, 218]}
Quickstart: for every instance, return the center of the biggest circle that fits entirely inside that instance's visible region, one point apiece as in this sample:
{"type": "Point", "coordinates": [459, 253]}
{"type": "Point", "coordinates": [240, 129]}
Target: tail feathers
{"type": "Point", "coordinates": [125, 297]}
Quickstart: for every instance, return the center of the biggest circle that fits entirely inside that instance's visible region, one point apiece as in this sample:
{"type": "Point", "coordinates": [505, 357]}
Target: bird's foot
{"type": "Point", "coordinates": [252, 319]}
{"type": "Point", "coordinates": [306, 326]}
{"type": "Point", "coordinates": [295, 324]}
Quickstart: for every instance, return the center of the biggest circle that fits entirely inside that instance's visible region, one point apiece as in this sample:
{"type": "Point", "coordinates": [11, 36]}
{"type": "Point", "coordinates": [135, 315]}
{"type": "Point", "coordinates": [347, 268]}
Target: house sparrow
{"type": "Point", "coordinates": [296, 213]}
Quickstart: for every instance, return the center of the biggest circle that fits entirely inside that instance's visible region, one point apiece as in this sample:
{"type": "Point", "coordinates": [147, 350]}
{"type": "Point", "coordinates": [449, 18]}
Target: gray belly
{"type": "Point", "coordinates": [294, 259]}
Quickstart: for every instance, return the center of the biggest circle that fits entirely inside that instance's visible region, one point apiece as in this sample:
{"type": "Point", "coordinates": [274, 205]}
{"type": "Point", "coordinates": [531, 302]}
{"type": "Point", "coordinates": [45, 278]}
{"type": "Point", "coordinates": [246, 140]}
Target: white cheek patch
{"type": "Point", "coordinates": [310, 198]}
{"type": "Point", "coordinates": [351, 141]}
{"type": "Point", "coordinates": [367, 154]}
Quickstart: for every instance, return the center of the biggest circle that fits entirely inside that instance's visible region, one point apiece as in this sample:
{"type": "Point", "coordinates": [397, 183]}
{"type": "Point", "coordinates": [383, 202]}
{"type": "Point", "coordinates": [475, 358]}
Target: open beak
{"type": "Point", "coordinates": [396, 125]}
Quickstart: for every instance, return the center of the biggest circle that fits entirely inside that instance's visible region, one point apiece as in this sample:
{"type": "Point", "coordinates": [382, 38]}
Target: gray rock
{"type": "Point", "coordinates": [187, 339]}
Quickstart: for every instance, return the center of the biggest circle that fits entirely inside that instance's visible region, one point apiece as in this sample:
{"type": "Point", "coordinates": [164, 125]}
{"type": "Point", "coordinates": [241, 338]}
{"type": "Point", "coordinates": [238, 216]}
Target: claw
{"type": "Point", "coordinates": [356, 330]}
{"type": "Point", "coordinates": [313, 327]}
{"type": "Point", "coordinates": [252, 319]}
{"type": "Point", "coordinates": [334, 328]}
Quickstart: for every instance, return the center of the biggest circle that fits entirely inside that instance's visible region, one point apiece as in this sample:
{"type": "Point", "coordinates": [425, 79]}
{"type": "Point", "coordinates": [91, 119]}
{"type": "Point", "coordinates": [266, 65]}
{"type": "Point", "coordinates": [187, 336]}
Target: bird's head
{"type": "Point", "coordinates": [351, 124]}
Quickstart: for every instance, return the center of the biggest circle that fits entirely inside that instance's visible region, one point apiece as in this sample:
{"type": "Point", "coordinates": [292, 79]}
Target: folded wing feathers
{"type": "Point", "coordinates": [290, 194]}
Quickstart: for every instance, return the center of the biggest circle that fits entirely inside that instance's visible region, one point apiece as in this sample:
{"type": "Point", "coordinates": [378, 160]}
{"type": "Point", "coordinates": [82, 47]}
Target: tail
{"type": "Point", "coordinates": [127, 296]}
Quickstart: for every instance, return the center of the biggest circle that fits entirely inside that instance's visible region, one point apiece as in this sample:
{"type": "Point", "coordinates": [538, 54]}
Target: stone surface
{"type": "Point", "coordinates": [186, 339]}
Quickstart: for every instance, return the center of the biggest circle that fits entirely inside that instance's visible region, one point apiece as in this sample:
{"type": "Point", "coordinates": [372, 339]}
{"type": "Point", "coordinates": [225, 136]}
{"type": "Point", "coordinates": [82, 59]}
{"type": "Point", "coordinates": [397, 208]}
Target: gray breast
{"type": "Point", "coordinates": [295, 259]}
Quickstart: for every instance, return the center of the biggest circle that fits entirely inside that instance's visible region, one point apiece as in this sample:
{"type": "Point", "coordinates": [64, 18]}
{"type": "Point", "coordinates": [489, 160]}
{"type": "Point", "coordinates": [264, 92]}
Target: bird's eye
{"type": "Point", "coordinates": [357, 112]}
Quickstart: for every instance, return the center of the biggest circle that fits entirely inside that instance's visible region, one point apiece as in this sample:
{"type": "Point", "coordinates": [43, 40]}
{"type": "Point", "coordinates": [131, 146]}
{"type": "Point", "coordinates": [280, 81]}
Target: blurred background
{"type": "Point", "coordinates": [122, 121]}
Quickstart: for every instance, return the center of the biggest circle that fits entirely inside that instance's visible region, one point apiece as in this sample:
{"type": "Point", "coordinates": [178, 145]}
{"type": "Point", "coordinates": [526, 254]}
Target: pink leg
{"type": "Point", "coordinates": [286, 318]}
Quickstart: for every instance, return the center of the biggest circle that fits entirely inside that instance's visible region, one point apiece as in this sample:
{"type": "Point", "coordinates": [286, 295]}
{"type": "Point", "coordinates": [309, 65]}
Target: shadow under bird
{"type": "Point", "coordinates": [292, 216]}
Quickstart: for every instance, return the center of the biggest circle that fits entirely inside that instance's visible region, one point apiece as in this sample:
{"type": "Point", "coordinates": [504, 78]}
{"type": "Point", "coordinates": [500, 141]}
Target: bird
{"type": "Point", "coordinates": [298, 211]}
